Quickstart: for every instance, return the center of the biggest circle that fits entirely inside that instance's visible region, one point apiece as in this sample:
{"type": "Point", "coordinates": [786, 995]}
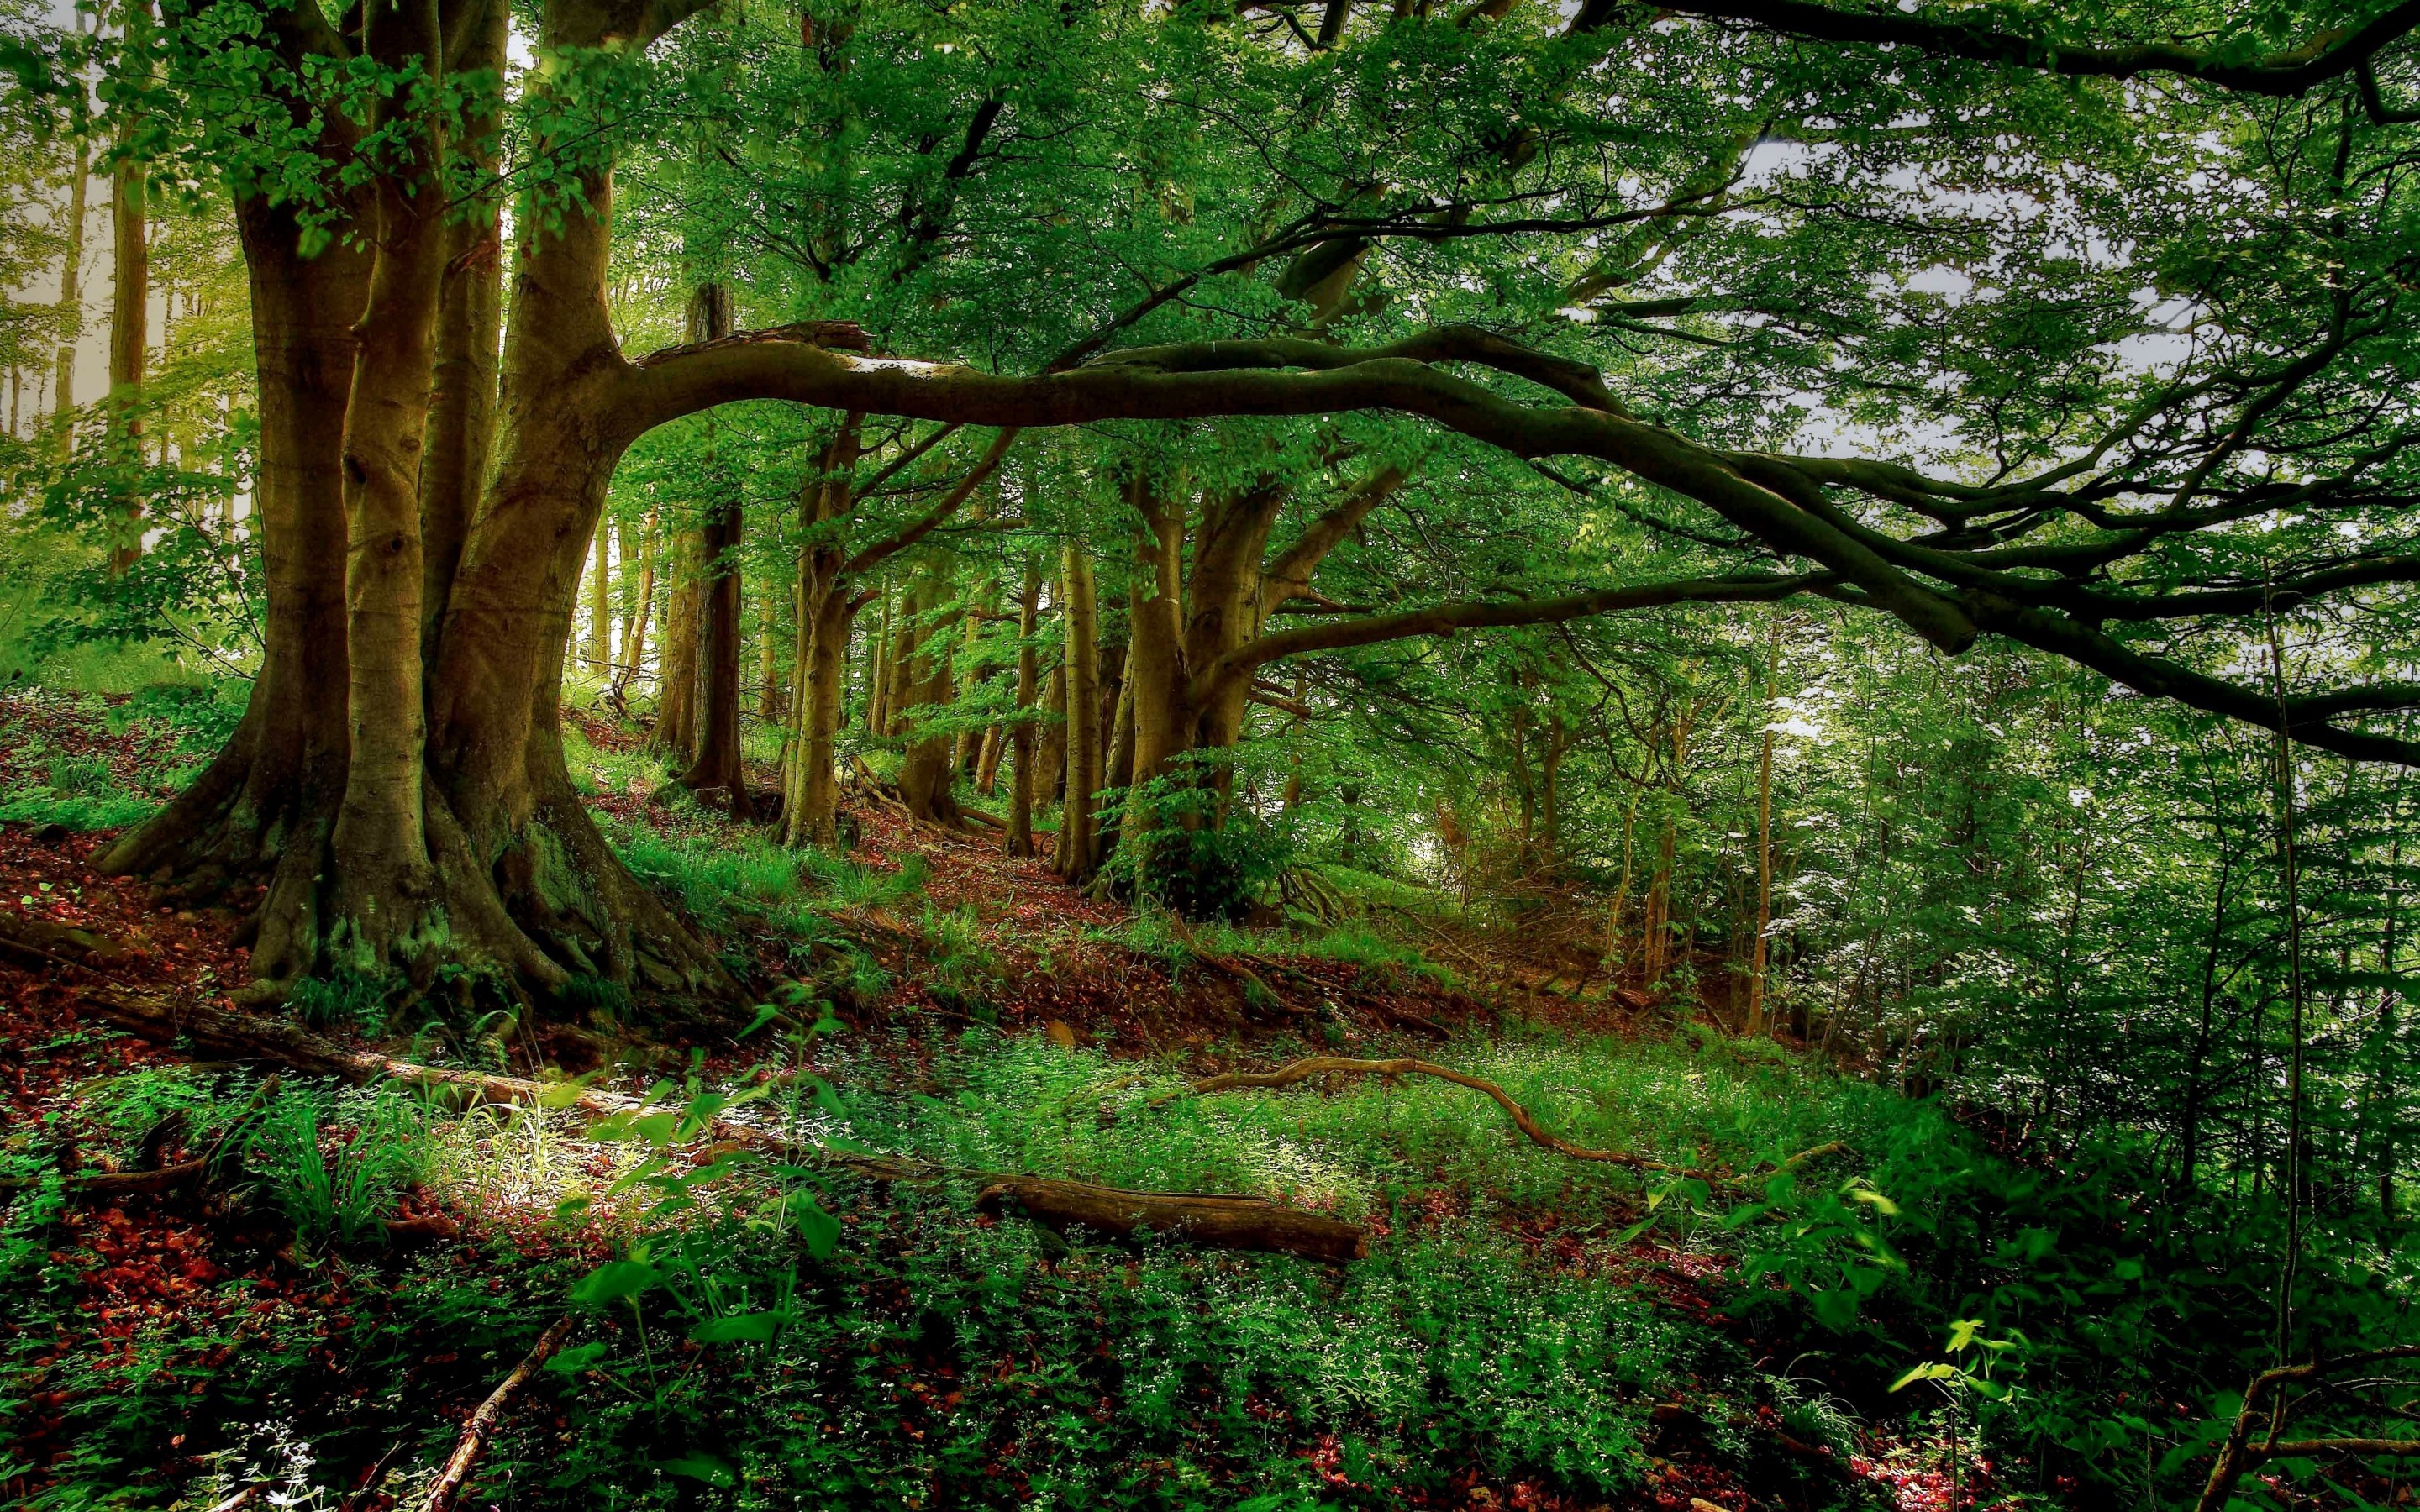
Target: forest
{"type": "Point", "coordinates": [718, 718]}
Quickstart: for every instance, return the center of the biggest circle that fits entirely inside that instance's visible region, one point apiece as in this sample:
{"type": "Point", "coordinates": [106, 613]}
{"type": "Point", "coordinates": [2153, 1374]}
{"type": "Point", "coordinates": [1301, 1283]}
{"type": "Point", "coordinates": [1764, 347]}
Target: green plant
{"type": "Point", "coordinates": [338, 1182]}
{"type": "Point", "coordinates": [1185, 847]}
{"type": "Point", "coordinates": [342, 1000]}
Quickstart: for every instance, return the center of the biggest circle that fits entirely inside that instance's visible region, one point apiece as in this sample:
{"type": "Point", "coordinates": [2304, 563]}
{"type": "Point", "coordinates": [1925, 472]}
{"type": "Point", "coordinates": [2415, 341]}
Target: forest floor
{"type": "Point", "coordinates": [311, 1325]}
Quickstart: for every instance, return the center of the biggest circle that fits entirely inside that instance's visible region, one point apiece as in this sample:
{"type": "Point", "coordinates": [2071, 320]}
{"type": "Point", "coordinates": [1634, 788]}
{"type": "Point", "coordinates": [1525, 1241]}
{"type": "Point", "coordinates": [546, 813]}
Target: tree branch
{"type": "Point", "coordinates": [1446, 619]}
{"type": "Point", "coordinates": [2328, 55]}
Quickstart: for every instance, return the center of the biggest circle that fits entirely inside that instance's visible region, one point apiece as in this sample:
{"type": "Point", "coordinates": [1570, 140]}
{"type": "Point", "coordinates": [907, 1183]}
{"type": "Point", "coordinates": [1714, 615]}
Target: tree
{"type": "Point", "coordinates": [2110, 515]}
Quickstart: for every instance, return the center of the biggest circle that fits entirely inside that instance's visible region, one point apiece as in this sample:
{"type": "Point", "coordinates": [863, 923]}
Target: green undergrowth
{"type": "Point", "coordinates": [758, 1335]}
{"type": "Point", "coordinates": [52, 772]}
{"type": "Point", "coordinates": [1364, 1144]}
{"type": "Point", "coordinates": [1178, 945]}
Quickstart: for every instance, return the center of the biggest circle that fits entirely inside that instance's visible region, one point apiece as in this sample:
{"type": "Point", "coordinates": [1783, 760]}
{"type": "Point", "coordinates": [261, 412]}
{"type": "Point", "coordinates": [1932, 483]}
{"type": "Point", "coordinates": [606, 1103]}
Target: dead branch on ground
{"type": "Point", "coordinates": [489, 1414]}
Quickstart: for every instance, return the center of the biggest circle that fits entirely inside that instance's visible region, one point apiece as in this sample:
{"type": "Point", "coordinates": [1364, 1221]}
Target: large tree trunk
{"type": "Point", "coordinates": [529, 885]}
{"type": "Point", "coordinates": [268, 801]}
{"type": "Point", "coordinates": [717, 770]}
{"type": "Point", "coordinates": [383, 873]}
{"type": "Point", "coordinates": [462, 424]}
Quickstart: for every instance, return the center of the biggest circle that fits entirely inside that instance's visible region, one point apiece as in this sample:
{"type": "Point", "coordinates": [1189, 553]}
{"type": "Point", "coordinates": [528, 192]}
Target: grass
{"type": "Point", "coordinates": [1156, 934]}
{"type": "Point", "coordinates": [1361, 1145]}
{"type": "Point", "coordinates": [177, 727]}
{"type": "Point", "coordinates": [337, 1188]}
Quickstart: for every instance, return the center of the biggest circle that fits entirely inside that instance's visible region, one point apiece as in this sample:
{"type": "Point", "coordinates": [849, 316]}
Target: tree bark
{"type": "Point", "coordinates": [462, 421]}
{"type": "Point", "coordinates": [129, 306]}
{"type": "Point", "coordinates": [1076, 859]}
{"type": "Point", "coordinates": [826, 612]}
{"type": "Point", "coordinates": [383, 881]}
{"type": "Point", "coordinates": [268, 800]}
{"type": "Point", "coordinates": [1022, 733]}
{"type": "Point", "coordinates": [925, 772]}
{"type": "Point", "coordinates": [71, 305]}
{"type": "Point", "coordinates": [675, 732]}
{"type": "Point", "coordinates": [717, 769]}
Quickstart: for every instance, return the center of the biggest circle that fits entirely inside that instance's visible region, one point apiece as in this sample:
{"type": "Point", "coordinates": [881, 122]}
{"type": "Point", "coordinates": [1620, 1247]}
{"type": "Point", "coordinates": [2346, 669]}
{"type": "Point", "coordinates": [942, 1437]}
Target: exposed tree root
{"type": "Point", "coordinates": [1214, 1223]}
{"type": "Point", "coordinates": [536, 900]}
{"type": "Point", "coordinates": [489, 1414]}
{"type": "Point", "coordinates": [1310, 1066]}
{"type": "Point", "coordinates": [102, 1184]}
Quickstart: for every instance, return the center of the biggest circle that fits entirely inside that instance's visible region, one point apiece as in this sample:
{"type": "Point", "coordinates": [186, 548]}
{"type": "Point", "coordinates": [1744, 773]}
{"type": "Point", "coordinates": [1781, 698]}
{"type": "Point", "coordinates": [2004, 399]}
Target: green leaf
{"type": "Point", "coordinates": [559, 1094]}
{"type": "Point", "coordinates": [765, 1013]}
{"type": "Point", "coordinates": [614, 1281]}
{"type": "Point", "coordinates": [1935, 1370]}
{"type": "Point", "coordinates": [704, 1467]}
{"type": "Point", "coordinates": [574, 1359]}
{"type": "Point", "coordinates": [818, 1229]}
{"type": "Point", "coordinates": [746, 1328]}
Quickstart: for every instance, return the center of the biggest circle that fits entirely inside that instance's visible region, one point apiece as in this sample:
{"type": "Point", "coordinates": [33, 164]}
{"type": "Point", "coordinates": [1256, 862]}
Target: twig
{"type": "Point", "coordinates": [475, 1433]}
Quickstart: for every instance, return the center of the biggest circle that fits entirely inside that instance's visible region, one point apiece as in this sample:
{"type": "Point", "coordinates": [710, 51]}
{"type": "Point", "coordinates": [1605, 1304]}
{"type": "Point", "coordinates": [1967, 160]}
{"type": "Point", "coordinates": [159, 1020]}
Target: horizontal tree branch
{"type": "Point", "coordinates": [2329, 55]}
{"type": "Point", "coordinates": [1446, 619]}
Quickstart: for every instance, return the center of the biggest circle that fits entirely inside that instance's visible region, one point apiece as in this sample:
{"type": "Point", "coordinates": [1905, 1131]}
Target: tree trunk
{"type": "Point", "coordinates": [71, 305]}
{"type": "Point", "coordinates": [600, 604]}
{"type": "Point", "coordinates": [268, 800]}
{"type": "Point", "coordinates": [717, 770]}
{"type": "Point", "coordinates": [1077, 859]}
{"type": "Point", "coordinates": [1020, 790]}
{"type": "Point", "coordinates": [675, 728]}
{"type": "Point", "coordinates": [811, 811]}
{"type": "Point", "coordinates": [1756, 1027]}
{"type": "Point", "coordinates": [1161, 712]}
{"type": "Point", "coordinates": [383, 873]}
{"type": "Point", "coordinates": [462, 424]}
{"type": "Point", "coordinates": [529, 883]}
{"type": "Point", "coordinates": [988, 759]}
{"type": "Point", "coordinates": [769, 702]}
{"type": "Point", "coordinates": [925, 772]}
{"type": "Point", "coordinates": [130, 308]}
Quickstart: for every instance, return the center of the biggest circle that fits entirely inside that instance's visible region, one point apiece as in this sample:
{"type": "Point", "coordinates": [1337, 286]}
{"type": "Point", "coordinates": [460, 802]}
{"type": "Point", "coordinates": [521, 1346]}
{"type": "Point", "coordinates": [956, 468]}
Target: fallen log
{"type": "Point", "coordinates": [1213, 1222]}
{"type": "Point", "coordinates": [1244, 1222]}
{"type": "Point", "coordinates": [489, 1414]}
